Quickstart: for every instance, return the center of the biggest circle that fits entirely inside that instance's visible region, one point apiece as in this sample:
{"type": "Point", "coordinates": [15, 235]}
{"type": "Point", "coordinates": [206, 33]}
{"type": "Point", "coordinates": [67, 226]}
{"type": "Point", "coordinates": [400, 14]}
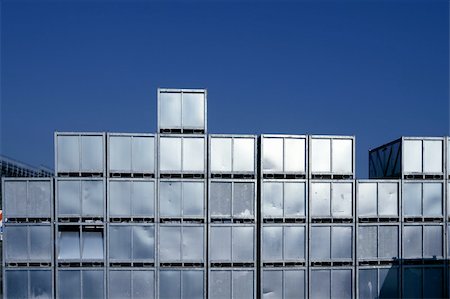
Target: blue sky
{"type": "Point", "coordinates": [374, 69]}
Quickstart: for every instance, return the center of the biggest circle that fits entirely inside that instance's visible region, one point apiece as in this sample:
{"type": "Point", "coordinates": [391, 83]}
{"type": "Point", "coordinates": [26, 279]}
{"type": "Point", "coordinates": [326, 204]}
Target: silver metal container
{"type": "Point", "coordinates": [284, 244]}
{"type": "Point", "coordinates": [284, 156]}
{"type": "Point", "coordinates": [131, 283]}
{"type": "Point", "coordinates": [80, 283]}
{"type": "Point", "coordinates": [378, 242]}
{"type": "Point", "coordinates": [423, 201]}
{"type": "Point", "coordinates": [80, 154]}
{"type": "Point", "coordinates": [331, 244]}
{"type": "Point", "coordinates": [378, 200]}
{"type": "Point", "coordinates": [284, 200]}
{"type": "Point", "coordinates": [423, 281]}
{"type": "Point", "coordinates": [331, 157]}
{"type": "Point", "coordinates": [131, 155]}
{"type": "Point", "coordinates": [181, 283]}
{"type": "Point", "coordinates": [331, 282]}
{"type": "Point", "coordinates": [408, 158]}
{"type": "Point", "coordinates": [232, 283]}
{"type": "Point", "coordinates": [284, 283]}
{"type": "Point", "coordinates": [423, 241]}
{"type": "Point", "coordinates": [379, 282]}
{"type": "Point", "coordinates": [232, 156]}
{"type": "Point", "coordinates": [29, 282]}
{"type": "Point", "coordinates": [182, 110]}
{"type": "Point", "coordinates": [27, 199]}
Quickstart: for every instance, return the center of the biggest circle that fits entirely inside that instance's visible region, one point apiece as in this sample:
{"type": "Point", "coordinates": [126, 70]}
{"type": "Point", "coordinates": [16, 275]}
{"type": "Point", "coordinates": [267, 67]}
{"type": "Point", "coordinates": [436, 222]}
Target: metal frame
{"type": "Point", "coordinates": [331, 174]}
{"type": "Point", "coordinates": [79, 135]}
{"type": "Point", "coordinates": [132, 269]}
{"type": "Point", "coordinates": [102, 227]}
{"type": "Point", "coordinates": [378, 268]}
{"type": "Point", "coordinates": [332, 261]}
{"type": "Point", "coordinates": [378, 217]}
{"type": "Point", "coordinates": [81, 270]}
{"type": "Point", "coordinates": [131, 136]}
{"type": "Point", "coordinates": [233, 270]}
{"type": "Point", "coordinates": [5, 180]}
{"type": "Point", "coordinates": [283, 260]}
{"type": "Point", "coordinates": [283, 270]}
{"type": "Point", "coordinates": [283, 138]}
{"type": "Point", "coordinates": [131, 217]}
{"type": "Point", "coordinates": [331, 217]}
{"type": "Point", "coordinates": [193, 174]}
{"type": "Point", "coordinates": [176, 263]}
{"type": "Point", "coordinates": [218, 174]}
{"type": "Point", "coordinates": [285, 218]}
{"type": "Point", "coordinates": [29, 262]}
{"type": "Point", "coordinates": [28, 269]}
{"type": "Point", "coordinates": [423, 218]}
{"type": "Point", "coordinates": [177, 90]}
{"type": "Point", "coordinates": [161, 217]}
{"type": "Point", "coordinates": [80, 217]}
{"type": "Point", "coordinates": [181, 270]}
{"type": "Point", "coordinates": [132, 260]}
{"type": "Point", "coordinates": [423, 259]}
{"type": "Point", "coordinates": [312, 269]}
{"type": "Point", "coordinates": [255, 216]}
{"type": "Point", "coordinates": [378, 258]}
{"type": "Point", "coordinates": [232, 261]}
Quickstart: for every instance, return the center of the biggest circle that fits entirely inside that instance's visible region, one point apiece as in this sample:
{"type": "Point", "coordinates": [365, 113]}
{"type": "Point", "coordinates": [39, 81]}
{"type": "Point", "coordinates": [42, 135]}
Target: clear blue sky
{"type": "Point", "coordinates": [375, 69]}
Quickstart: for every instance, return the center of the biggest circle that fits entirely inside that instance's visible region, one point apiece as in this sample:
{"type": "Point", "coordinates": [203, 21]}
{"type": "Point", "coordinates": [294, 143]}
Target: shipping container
{"type": "Point", "coordinates": [423, 201]}
{"type": "Point", "coordinates": [331, 244]}
{"type": "Point", "coordinates": [182, 156]}
{"type": "Point", "coordinates": [27, 199]}
{"type": "Point", "coordinates": [232, 200]}
{"type": "Point", "coordinates": [80, 154]}
{"type": "Point", "coordinates": [408, 158]}
{"type": "Point", "coordinates": [284, 199]}
{"type": "Point", "coordinates": [332, 199]}
{"type": "Point", "coordinates": [232, 283]}
{"type": "Point", "coordinates": [232, 156]}
{"type": "Point", "coordinates": [331, 157]}
{"type": "Point", "coordinates": [132, 200]}
{"type": "Point", "coordinates": [131, 155]}
{"type": "Point", "coordinates": [80, 199]}
{"type": "Point", "coordinates": [333, 283]}
{"type": "Point", "coordinates": [182, 199]}
{"type": "Point", "coordinates": [183, 283]}
{"type": "Point", "coordinates": [28, 244]}
{"type": "Point", "coordinates": [132, 283]}
{"type": "Point", "coordinates": [131, 244]}
{"type": "Point", "coordinates": [32, 282]}
{"type": "Point", "coordinates": [423, 281]}
{"type": "Point", "coordinates": [284, 156]}
{"type": "Point", "coordinates": [379, 282]}
{"type": "Point", "coordinates": [80, 244]}
{"type": "Point", "coordinates": [378, 200]}
{"type": "Point", "coordinates": [182, 110]}
{"type": "Point", "coordinates": [284, 283]}
{"type": "Point", "coordinates": [181, 244]}
{"type": "Point", "coordinates": [233, 244]}
{"type": "Point", "coordinates": [378, 242]}
{"type": "Point", "coordinates": [284, 244]}
{"type": "Point", "coordinates": [424, 242]}
{"type": "Point", "coordinates": [81, 283]}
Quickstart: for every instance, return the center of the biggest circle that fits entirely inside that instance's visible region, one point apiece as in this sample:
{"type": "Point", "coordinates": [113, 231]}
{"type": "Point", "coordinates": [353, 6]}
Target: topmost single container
{"type": "Point", "coordinates": [182, 111]}
{"type": "Point", "coordinates": [331, 157]}
{"type": "Point", "coordinates": [408, 158]}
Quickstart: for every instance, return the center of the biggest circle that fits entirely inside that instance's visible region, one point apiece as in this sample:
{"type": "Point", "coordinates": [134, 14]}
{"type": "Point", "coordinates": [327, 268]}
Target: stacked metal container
{"type": "Point", "coordinates": [331, 216]}
{"type": "Point", "coordinates": [284, 216]}
{"type": "Point", "coordinates": [80, 215]}
{"type": "Point", "coordinates": [419, 164]}
{"type": "Point", "coordinates": [182, 185]}
{"type": "Point", "coordinates": [28, 238]}
{"type": "Point", "coordinates": [232, 216]}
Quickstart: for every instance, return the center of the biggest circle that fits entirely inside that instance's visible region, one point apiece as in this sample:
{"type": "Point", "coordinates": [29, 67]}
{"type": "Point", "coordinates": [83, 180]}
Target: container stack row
{"type": "Point", "coordinates": [419, 166]}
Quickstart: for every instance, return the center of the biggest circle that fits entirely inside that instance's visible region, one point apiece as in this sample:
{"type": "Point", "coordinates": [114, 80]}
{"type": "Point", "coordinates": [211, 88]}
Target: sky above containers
{"type": "Point", "coordinates": [374, 69]}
